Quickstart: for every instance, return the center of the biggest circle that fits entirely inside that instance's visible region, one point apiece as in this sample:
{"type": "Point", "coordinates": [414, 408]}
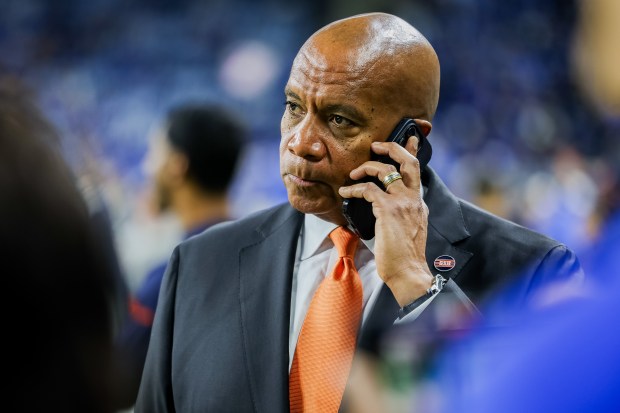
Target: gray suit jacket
{"type": "Point", "coordinates": [220, 337]}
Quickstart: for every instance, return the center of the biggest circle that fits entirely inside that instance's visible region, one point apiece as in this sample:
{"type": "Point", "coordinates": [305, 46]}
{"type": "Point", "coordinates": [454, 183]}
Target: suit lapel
{"type": "Point", "coordinates": [446, 227]}
{"type": "Point", "coordinates": [265, 269]}
{"type": "Point", "coordinates": [266, 265]}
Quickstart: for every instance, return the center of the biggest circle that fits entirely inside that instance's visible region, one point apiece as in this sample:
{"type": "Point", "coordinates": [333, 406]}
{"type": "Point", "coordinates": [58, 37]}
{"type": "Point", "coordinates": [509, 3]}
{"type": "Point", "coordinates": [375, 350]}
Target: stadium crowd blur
{"type": "Point", "coordinates": [517, 129]}
{"type": "Point", "coordinates": [527, 125]}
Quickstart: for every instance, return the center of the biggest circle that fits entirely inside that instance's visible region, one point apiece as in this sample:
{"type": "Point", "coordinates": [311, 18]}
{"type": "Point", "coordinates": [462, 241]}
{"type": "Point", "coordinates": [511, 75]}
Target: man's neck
{"type": "Point", "coordinates": [196, 208]}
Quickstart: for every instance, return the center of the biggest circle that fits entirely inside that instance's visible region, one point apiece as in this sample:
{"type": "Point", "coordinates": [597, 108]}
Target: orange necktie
{"type": "Point", "coordinates": [326, 343]}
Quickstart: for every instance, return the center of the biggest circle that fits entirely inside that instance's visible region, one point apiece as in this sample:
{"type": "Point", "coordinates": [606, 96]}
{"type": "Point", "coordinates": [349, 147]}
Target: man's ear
{"type": "Point", "coordinates": [424, 125]}
{"type": "Point", "coordinates": [177, 167]}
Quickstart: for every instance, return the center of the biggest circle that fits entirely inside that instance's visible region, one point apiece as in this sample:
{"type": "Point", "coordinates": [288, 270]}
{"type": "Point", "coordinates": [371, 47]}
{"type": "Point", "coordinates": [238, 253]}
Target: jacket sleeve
{"type": "Point", "coordinates": [155, 395]}
{"type": "Point", "coordinates": [558, 274]}
{"type": "Point", "coordinates": [555, 277]}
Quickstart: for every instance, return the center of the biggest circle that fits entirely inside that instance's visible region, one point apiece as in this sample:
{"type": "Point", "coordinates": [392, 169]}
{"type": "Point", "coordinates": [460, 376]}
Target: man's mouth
{"type": "Point", "coordinates": [301, 181]}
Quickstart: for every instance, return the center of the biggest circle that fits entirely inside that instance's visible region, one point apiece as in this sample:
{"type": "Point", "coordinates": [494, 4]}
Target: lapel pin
{"type": "Point", "coordinates": [444, 263]}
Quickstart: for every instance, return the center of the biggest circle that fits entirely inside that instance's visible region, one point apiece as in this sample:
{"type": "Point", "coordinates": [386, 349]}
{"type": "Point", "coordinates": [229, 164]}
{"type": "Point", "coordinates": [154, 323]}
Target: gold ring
{"type": "Point", "coordinates": [391, 177]}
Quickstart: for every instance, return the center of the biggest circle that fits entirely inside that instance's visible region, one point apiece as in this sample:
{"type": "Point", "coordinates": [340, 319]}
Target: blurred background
{"type": "Point", "coordinates": [527, 125]}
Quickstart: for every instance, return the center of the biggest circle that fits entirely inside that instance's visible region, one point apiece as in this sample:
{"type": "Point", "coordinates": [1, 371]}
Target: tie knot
{"type": "Point", "coordinates": [345, 241]}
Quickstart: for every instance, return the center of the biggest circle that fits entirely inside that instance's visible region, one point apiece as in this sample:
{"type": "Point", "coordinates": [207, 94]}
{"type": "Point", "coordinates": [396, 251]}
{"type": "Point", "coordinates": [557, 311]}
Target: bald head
{"type": "Point", "coordinates": [380, 50]}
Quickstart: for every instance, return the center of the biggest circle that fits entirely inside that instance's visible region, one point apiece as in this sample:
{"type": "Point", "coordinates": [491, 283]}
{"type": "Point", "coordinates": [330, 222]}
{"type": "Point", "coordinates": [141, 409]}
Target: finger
{"type": "Point", "coordinates": [412, 145]}
{"type": "Point", "coordinates": [409, 165]}
{"type": "Point", "coordinates": [391, 149]}
{"type": "Point", "coordinates": [374, 169]}
{"type": "Point", "coordinates": [366, 190]}
{"type": "Point", "coordinates": [377, 170]}
{"type": "Point", "coordinates": [393, 184]}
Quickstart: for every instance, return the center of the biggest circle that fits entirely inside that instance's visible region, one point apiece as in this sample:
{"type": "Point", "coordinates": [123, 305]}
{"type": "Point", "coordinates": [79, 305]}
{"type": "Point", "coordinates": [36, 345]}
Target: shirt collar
{"type": "Point", "coordinates": [315, 234]}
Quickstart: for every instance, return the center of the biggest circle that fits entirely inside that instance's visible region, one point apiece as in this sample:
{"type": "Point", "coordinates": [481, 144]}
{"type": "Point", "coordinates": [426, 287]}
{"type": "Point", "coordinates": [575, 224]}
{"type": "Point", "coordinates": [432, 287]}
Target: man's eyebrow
{"type": "Point", "coordinates": [346, 110]}
{"type": "Point", "coordinates": [290, 93]}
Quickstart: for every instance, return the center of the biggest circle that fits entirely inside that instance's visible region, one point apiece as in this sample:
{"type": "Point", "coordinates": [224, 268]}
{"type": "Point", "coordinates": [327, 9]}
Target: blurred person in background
{"type": "Point", "coordinates": [236, 328]}
{"type": "Point", "coordinates": [58, 268]}
{"type": "Point", "coordinates": [191, 162]}
{"type": "Point", "coordinates": [600, 259]}
{"type": "Point", "coordinates": [595, 64]}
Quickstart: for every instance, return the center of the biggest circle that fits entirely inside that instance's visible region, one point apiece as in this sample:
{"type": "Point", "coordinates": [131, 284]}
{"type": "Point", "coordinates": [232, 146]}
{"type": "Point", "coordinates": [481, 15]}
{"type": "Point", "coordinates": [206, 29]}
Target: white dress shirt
{"type": "Point", "coordinates": [314, 259]}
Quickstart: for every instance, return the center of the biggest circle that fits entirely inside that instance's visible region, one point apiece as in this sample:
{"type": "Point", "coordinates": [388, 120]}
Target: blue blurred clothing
{"type": "Point", "coordinates": [601, 260]}
{"type": "Point", "coordinates": [561, 359]}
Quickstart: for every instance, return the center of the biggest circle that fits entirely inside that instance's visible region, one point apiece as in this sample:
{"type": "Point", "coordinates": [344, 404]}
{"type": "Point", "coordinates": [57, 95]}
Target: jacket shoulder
{"type": "Point", "coordinates": [505, 252]}
{"type": "Point", "coordinates": [246, 230]}
{"type": "Point", "coordinates": [481, 223]}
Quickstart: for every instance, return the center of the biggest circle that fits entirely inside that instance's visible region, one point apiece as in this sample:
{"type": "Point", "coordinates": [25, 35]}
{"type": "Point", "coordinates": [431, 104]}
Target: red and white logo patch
{"type": "Point", "coordinates": [444, 263]}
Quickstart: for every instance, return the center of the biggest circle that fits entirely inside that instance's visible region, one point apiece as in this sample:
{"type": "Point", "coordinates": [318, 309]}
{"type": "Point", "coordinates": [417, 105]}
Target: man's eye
{"type": "Point", "coordinates": [292, 107]}
{"type": "Point", "coordinates": [341, 121]}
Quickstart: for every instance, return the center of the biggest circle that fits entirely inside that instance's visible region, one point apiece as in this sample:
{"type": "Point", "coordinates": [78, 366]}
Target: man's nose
{"type": "Point", "coordinates": [306, 142]}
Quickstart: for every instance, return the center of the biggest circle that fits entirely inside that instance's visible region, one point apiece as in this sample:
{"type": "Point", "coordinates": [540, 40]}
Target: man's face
{"type": "Point", "coordinates": [334, 110]}
{"type": "Point", "coordinates": [154, 168]}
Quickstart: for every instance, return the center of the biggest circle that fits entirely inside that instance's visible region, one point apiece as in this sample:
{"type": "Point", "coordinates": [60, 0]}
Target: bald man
{"type": "Point", "coordinates": [234, 299]}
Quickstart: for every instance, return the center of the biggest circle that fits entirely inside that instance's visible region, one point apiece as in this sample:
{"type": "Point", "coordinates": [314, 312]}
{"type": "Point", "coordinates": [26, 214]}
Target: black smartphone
{"type": "Point", "coordinates": [358, 211]}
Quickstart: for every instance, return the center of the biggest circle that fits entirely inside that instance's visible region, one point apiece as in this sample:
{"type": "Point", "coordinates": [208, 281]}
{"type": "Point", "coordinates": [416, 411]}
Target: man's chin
{"type": "Point", "coordinates": [158, 206]}
{"type": "Point", "coordinates": [306, 207]}
{"type": "Point", "coordinates": [331, 213]}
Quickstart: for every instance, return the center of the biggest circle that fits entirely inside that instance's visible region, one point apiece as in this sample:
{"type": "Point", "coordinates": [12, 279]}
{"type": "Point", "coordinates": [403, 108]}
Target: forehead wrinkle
{"type": "Point", "coordinates": [375, 62]}
{"type": "Point", "coordinates": [315, 89]}
{"type": "Point", "coordinates": [316, 68]}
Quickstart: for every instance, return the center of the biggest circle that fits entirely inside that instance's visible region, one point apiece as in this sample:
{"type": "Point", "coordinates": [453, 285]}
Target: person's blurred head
{"type": "Point", "coordinates": [198, 146]}
{"type": "Point", "coordinates": [350, 84]}
{"type": "Point", "coordinates": [58, 333]}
